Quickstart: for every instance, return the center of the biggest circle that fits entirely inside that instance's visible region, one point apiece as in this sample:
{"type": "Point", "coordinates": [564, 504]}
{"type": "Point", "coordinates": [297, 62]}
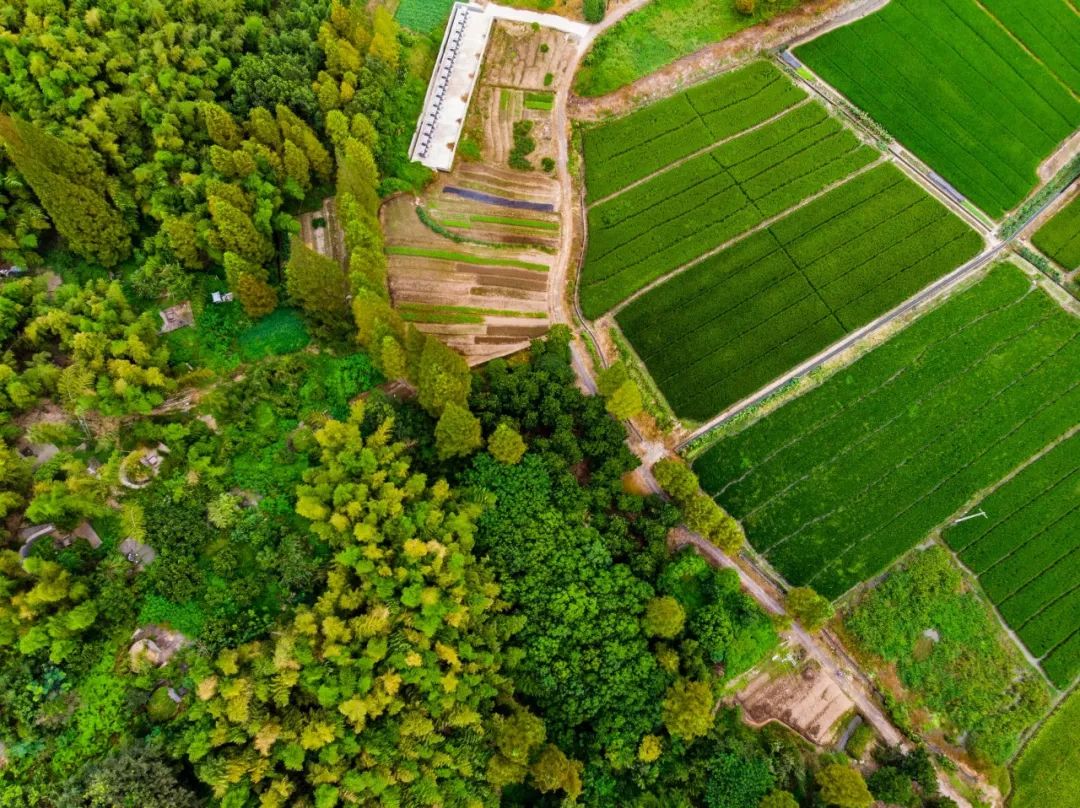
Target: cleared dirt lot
{"type": "Point", "coordinates": [806, 700]}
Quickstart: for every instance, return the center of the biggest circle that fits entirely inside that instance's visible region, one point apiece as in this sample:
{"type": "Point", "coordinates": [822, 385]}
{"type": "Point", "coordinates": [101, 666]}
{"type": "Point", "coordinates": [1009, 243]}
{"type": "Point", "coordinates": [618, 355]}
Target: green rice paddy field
{"type": "Point", "coordinates": [722, 329]}
{"type": "Point", "coordinates": [1026, 552]}
{"type": "Point", "coordinates": [837, 483]}
{"type": "Point", "coordinates": [982, 90]}
{"type": "Point", "coordinates": [1047, 773]}
{"type": "Point", "coordinates": [1059, 238]}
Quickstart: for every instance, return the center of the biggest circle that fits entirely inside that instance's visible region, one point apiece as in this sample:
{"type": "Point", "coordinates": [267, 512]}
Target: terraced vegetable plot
{"type": "Point", "coordinates": [1059, 238]}
{"type": "Point", "coordinates": [837, 483]}
{"type": "Point", "coordinates": [723, 328]}
{"type": "Point", "coordinates": [982, 91]}
{"type": "Point", "coordinates": [1026, 552]}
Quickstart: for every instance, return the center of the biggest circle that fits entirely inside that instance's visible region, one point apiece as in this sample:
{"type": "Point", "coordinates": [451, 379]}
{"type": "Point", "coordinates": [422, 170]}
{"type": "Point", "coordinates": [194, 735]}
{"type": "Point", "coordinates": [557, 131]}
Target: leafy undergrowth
{"type": "Point", "coordinates": [949, 651]}
{"type": "Point", "coordinates": [660, 33]}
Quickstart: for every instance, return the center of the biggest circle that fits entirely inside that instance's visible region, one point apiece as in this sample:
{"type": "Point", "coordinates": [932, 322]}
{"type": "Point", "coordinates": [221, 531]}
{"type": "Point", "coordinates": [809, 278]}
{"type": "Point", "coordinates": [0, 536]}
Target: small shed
{"type": "Point", "coordinates": [178, 316]}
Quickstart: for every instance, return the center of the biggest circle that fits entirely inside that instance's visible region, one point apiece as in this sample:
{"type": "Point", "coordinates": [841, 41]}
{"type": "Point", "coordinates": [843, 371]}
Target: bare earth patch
{"type": "Point", "coordinates": [807, 701]}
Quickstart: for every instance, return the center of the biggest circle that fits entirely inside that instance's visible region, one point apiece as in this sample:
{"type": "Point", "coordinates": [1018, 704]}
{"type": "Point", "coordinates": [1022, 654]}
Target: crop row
{"type": "Point", "coordinates": [690, 297]}
{"type": "Point", "coordinates": [879, 299]}
{"type": "Point", "coordinates": [910, 435]}
{"type": "Point", "coordinates": [733, 88]}
{"type": "Point", "coordinates": [698, 332]}
{"type": "Point", "coordinates": [834, 488]}
{"type": "Point", "coordinates": [604, 143]}
{"type": "Point", "coordinates": [1017, 523]}
{"type": "Point", "coordinates": [1038, 547]}
{"type": "Point", "coordinates": [1043, 589]}
{"type": "Point", "coordinates": [1063, 663]}
{"type": "Point", "coordinates": [900, 270]}
{"type": "Point", "coordinates": [1040, 478]}
{"type": "Point", "coordinates": [603, 178]}
{"type": "Point", "coordinates": [1059, 238]}
{"type": "Point", "coordinates": [895, 230]}
{"type": "Point", "coordinates": [1052, 625]}
{"type": "Point", "coordinates": [780, 352]}
{"type": "Point", "coordinates": [799, 188]}
{"type": "Point", "coordinates": [902, 510]}
{"type": "Point", "coordinates": [730, 338]}
{"type": "Point", "coordinates": [950, 83]}
{"type": "Point", "coordinates": [807, 238]}
{"type": "Point", "coordinates": [668, 247]}
{"type": "Point", "coordinates": [667, 221]}
{"type": "Point", "coordinates": [1044, 28]}
{"type": "Point", "coordinates": [627, 149]}
{"type": "Point", "coordinates": [775, 134]}
{"type": "Point", "coordinates": [837, 202]}
{"type": "Point", "coordinates": [1017, 126]}
{"type": "Point", "coordinates": [771, 101]}
{"type": "Point", "coordinates": [664, 226]}
{"type": "Point", "coordinates": [919, 359]}
{"type": "Point", "coordinates": [667, 197]}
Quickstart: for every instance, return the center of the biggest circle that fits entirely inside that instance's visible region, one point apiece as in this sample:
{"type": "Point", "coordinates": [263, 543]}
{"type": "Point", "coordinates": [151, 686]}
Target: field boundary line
{"type": "Point", "coordinates": [1060, 697]}
{"type": "Point", "coordinates": [990, 490]}
{"type": "Point", "coordinates": [704, 150]}
{"type": "Point", "coordinates": [1050, 603]}
{"type": "Point", "coordinates": [1020, 425]}
{"type": "Point", "coordinates": [912, 454]}
{"type": "Point", "coordinates": [1030, 658]}
{"type": "Point", "coordinates": [885, 424]}
{"type": "Point", "coordinates": [780, 248]}
{"type": "Point", "coordinates": [921, 298]}
{"type": "Point", "coordinates": [885, 383]}
{"type": "Point", "coordinates": [762, 225]}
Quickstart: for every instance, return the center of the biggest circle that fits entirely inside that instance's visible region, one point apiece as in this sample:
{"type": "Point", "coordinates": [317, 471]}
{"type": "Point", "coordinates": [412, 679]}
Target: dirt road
{"type": "Point", "coordinates": [806, 20]}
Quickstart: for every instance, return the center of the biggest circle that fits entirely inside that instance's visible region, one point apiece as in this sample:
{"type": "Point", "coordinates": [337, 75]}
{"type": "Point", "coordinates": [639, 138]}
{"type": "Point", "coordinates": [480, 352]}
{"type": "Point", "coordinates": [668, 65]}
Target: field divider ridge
{"type": "Point", "coordinates": [919, 299]}
{"type": "Point", "coordinates": [1016, 427]}
{"type": "Point", "coordinates": [885, 423]}
{"type": "Point", "coordinates": [900, 372]}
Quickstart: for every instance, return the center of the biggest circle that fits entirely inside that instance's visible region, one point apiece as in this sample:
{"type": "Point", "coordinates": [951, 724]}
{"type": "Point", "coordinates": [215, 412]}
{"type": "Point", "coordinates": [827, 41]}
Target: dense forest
{"type": "Point", "coordinates": [239, 566]}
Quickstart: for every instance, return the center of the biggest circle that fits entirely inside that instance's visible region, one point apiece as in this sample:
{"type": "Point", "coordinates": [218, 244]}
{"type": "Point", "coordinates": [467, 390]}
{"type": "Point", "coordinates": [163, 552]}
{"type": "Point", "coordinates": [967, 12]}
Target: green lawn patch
{"type": "Point", "coordinates": [465, 258]}
{"type": "Point", "coordinates": [280, 332]}
{"type": "Point", "coordinates": [983, 92]}
{"type": "Point", "coordinates": [423, 16]}
{"type": "Point", "coordinates": [660, 33]}
{"type": "Point", "coordinates": [837, 483]}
